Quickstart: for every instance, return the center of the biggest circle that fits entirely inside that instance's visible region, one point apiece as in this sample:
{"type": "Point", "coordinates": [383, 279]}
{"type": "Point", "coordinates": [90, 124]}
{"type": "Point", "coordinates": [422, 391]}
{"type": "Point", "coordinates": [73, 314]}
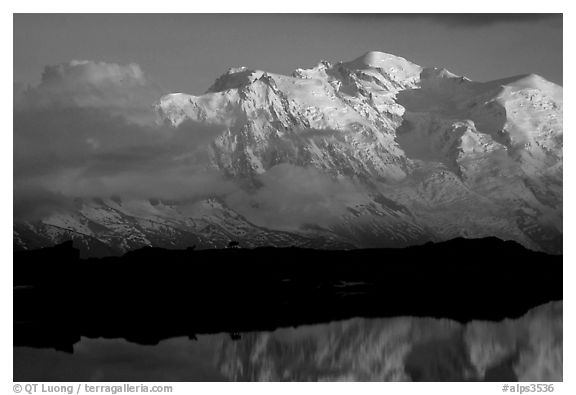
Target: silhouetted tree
{"type": "Point", "coordinates": [233, 244]}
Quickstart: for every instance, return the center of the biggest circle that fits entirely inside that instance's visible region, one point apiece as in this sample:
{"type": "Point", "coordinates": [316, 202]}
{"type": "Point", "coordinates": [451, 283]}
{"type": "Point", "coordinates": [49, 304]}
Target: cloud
{"type": "Point", "coordinates": [473, 20]}
{"type": "Point", "coordinates": [469, 20]}
{"type": "Point", "coordinates": [32, 202]}
{"type": "Point", "coordinates": [292, 197]}
{"type": "Point", "coordinates": [120, 89]}
{"type": "Point", "coordinates": [75, 136]}
{"type": "Point", "coordinates": [48, 140]}
{"type": "Point", "coordinates": [89, 130]}
{"type": "Point", "coordinates": [80, 152]}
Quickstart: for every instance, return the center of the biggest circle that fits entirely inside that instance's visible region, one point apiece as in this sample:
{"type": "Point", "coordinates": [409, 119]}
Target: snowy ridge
{"type": "Point", "coordinates": [431, 155]}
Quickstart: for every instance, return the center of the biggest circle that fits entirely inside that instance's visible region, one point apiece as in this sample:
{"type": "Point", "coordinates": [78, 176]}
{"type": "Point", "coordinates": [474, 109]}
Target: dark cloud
{"type": "Point", "coordinates": [118, 89]}
{"type": "Point", "coordinates": [32, 202]}
{"type": "Point", "coordinates": [76, 135]}
{"type": "Point", "coordinates": [292, 196]}
{"type": "Point", "coordinates": [465, 20]}
{"type": "Point", "coordinates": [86, 152]}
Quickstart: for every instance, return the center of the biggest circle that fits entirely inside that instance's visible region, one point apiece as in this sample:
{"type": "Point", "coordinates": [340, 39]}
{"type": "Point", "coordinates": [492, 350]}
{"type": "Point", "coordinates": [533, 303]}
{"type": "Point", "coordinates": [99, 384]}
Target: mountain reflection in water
{"type": "Point", "coordinates": [386, 349]}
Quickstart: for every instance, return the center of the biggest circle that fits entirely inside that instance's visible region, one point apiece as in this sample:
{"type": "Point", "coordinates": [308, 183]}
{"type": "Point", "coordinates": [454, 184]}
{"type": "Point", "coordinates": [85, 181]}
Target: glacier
{"type": "Point", "coordinates": [373, 152]}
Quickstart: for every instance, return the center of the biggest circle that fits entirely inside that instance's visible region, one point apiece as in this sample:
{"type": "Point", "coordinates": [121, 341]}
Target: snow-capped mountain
{"type": "Point", "coordinates": [102, 227]}
{"type": "Point", "coordinates": [411, 154]}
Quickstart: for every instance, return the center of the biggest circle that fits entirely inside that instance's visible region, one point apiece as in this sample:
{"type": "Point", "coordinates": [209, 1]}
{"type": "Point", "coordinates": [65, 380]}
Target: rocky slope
{"type": "Point", "coordinates": [407, 154]}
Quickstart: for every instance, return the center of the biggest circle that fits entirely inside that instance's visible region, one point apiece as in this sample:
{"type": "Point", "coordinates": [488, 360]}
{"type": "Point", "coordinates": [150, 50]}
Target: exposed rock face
{"type": "Point", "coordinates": [419, 154]}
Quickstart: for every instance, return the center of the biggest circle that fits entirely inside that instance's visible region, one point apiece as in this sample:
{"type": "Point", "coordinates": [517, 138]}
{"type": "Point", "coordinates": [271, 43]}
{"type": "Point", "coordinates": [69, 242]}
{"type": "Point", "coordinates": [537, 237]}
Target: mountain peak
{"type": "Point", "coordinates": [395, 66]}
{"type": "Point", "coordinates": [437, 72]}
{"type": "Point", "coordinates": [377, 151]}
{"type": "Point", "coordinates": [529, 82]}
{"type": "Point", "coordinates": [376, 59]}
{"type": "Point", "coordinates": [235, 77]}
{"type": "Point", "coordinates": [535, 81]}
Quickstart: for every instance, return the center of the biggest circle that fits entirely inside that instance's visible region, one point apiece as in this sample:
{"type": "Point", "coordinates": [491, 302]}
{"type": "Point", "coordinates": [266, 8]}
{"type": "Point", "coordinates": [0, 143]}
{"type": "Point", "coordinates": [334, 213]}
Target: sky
{"type": "Point", "coordinates": [187, 52]}
{"type": "Point", "coordinates": [84, 86]}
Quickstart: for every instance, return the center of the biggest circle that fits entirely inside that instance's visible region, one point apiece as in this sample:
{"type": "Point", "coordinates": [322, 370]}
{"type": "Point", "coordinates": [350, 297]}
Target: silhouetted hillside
{"type": "Point", "coordinates": [152, 293]}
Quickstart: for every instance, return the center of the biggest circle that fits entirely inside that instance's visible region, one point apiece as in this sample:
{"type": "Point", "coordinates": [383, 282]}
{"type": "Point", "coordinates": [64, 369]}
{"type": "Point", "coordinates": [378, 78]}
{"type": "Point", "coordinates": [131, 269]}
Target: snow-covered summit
{"type": "Point", "coordinates": [382, 117]}
{"type": "Point", "coordinates": [409, 153]}
{"type": "Point", "coordinates": [389, 63]}
{"type": "Point", "coordinates": [235, 78]}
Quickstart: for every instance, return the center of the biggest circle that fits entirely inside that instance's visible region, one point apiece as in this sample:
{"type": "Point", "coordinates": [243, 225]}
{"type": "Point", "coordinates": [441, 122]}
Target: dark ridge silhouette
{"type": "Point", "coordinates": [153, 294]}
